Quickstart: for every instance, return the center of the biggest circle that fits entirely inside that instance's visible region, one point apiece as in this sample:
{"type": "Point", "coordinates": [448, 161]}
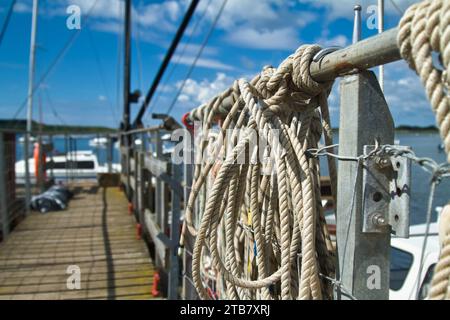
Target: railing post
{"type": "Point", "coordinates": [174, 234]}
{"type": "Point", "coordinates": [137, 176]}
{"type": "Point", "coordinates": [3, 198]}
{"type": "Point", "coordinates": [363, 257]}
{"type": "Point", "coordinates": [141, 188]}
{"type": "Point", "coordinates": [159, 198]}
{"type": "Point", "coordinates": [188, 292]}
{"type": "Point", "coordinates": [109, 152]}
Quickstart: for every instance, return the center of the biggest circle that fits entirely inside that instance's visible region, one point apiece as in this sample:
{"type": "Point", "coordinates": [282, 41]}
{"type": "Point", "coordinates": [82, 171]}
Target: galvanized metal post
{"type": "Point", "coordinates": [52, 174]}
{"type": "Point", "coordinates": [109, 153]}
{"type": "Point", "coordinates": [174, 235]}
{"type": "Point", "coordinates": [159, 198]}
{"type": "Point", "coordinates": [188, 291]}
{"type": "Point", "coordinates": [363, 257]}
{"type": "Point", "coordinates": [135, 188]}
{"type": "Point", "coordinates": [142, 189]}
{"type": "Point", "coordinates": [4, 216]}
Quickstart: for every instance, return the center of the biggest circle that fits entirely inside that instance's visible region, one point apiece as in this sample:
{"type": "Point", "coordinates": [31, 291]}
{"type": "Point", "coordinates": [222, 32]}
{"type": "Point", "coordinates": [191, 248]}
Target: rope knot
{"type": "Point", "coordinates": [291, 83]}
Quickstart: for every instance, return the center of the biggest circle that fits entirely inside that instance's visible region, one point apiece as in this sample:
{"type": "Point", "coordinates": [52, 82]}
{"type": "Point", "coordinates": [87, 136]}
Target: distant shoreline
{"type": "Point", "coordinates": [408, 129]}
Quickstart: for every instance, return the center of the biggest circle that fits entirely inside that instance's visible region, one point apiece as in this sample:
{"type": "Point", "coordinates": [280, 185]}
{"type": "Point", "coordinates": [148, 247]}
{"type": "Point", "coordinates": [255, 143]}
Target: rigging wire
{"type": "Point", "coordinates": [137, 41]}
{"type": "Point", "coordinates": [199, 53]}
{"type": "Point", "coordinates": [181, 55]}
{"type": "Point", "coordinates": [396, 7]}
{"type": "Point", "coordinates": [176, 40]}
{"type": "Point", "coordinates": [102, 75]}
{"type": "Point", "coordinates": [53, 109]}
{"type": "Point", "coordinates": [58, 57]}
{"type": "Point", "coordinates": [7, 19]}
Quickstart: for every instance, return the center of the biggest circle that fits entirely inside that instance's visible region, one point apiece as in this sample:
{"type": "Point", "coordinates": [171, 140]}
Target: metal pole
{"type": "Point", "coordinates": [188, 290]}
{"type": "Point", "coordinates": [126, 139]}
{"type": "Point", "coordinates": [126, 67]}
{"type": "Point", "coordinates": [362, 55]}
{"type": "Point", "coordinates": [380, 30]}
{"type": "Point", "coordinates": [41, 164]}
{"type": "Point", "coordinates": [357, 24]}
{"type": "Point", "coordinates": [30, 105]}
{"type": "Point", "coordinates": [365, 54]}
{"type": "Point", "coordinates": [363, 256]}
{"type": "Point", "coordinates": [172, 293]}
{"type": "Point", "coordinates": [109, 152]}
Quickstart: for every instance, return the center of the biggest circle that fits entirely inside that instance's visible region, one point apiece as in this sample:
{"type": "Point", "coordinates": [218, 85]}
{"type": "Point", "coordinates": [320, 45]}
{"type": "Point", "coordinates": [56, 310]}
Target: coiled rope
{"type": "Point", "coordinates": [425, 28]}
{"type": "Point", "coordinates": [262, 225]}
{"type": "Point", "coordinates": [262, 235]}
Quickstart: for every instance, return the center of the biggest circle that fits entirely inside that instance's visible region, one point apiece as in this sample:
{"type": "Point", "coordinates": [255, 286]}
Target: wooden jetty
{"type": "Point", "coordinates": [95, 233]}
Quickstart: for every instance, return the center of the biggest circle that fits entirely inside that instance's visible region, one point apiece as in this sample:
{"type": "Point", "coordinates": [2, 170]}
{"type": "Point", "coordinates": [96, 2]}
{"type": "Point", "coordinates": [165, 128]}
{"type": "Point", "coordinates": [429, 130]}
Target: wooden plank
{"type": "Point", "coordinates": [100, 238]}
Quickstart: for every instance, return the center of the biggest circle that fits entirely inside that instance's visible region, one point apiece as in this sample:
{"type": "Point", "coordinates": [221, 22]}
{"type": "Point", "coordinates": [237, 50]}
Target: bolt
{"type": "Point", "coordinates": [382, 162]}
{"type": "Point", "coordinates": [379, 220]}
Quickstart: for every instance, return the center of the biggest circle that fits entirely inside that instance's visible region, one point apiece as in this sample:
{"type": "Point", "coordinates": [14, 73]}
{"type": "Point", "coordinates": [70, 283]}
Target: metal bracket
{"type": "Point", "coordinates": [386, 193]}
{"type": "Point", "coordinates": [400, 189]}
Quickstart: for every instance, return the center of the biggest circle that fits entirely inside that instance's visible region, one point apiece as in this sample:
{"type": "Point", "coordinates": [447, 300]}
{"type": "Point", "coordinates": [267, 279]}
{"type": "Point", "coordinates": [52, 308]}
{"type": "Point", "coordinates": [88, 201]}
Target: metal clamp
{"type": "Point", "coordinates": [322, 53]}
{"type": "Point", "coordinates": [386, 193]}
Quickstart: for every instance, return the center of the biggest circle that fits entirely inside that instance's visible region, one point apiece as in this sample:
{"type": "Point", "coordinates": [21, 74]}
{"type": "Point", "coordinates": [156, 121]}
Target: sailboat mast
{"type": "Point", "coordinates": [30, 105]}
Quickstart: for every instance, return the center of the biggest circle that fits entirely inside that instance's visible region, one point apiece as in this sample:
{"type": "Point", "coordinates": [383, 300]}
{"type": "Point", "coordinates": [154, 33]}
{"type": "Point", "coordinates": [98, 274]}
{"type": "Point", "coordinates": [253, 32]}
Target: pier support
{"type": "Point", "coordinates": [363, 257]}
{"type": "Point", "coordinates": [4, 216]}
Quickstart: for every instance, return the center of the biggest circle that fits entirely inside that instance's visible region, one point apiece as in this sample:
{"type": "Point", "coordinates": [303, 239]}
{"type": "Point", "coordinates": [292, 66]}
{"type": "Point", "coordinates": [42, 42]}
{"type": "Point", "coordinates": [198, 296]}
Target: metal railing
{"type": "Point", "coordinates": [12, 205]}
{"type": "Point", "coordinates": [154, 188]}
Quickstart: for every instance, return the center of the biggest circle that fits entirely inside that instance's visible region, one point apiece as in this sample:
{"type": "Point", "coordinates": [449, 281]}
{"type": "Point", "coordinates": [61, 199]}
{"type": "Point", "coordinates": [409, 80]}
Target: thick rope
{"type": "Point", "coordinates": [424, 29]}
{"type": "Point", "coordinates": [262, 226]}
{"type": "Point", "coordinates": [259, 226]}
{"type": "Point", "coordinates": [441, 278]}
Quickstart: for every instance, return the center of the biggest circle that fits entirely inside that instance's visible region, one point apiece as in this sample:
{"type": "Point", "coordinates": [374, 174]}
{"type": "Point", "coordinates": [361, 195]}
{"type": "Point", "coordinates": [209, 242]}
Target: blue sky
{"type": "Point", "coordinates": [85, 85]}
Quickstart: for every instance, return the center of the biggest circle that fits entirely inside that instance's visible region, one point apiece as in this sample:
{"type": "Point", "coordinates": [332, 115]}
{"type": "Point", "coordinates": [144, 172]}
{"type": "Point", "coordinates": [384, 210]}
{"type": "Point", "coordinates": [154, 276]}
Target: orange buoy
{"type": "Point", "coordinates": [138, 231]}
{"type": "Point", "coordinates": [155, 289]}
{"type": "Point", "coordinates": [38, 161]}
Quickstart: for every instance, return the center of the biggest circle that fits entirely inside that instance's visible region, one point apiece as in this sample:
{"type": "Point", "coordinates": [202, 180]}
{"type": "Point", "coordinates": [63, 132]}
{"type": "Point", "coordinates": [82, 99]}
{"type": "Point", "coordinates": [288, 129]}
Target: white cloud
{"type": "Point", "coordinates": [197, 92]}
{"type": "Point", "coordinates": [22, 7]}
{"type": "Point", "coordinates": [404, 94]}
{"type": "Point", "coordinates": [339, 40]}
{"type": "Point", "coordinates": [209, 63]}
{"type": "Point", "coordinates": [263, 24]}
{"type": "Point", "coordinates": [193, 48]}
{"type": "Point", "coordinates": [107, 26]}
{"type": "Point", "coordinates": [344, 8]}
{"type": "Point", "coordinates": [285, 38]}
{"type": "Point", "coordinates": [102, 98]}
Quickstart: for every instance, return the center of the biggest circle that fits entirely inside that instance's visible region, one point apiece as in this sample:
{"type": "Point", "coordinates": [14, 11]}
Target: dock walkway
{"type": "Point", "coordinates": [95, 234]}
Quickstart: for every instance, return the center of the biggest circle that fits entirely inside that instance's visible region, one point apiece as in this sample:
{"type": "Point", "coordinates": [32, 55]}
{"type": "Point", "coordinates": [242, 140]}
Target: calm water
{"type": "Point", "coordinates": [81, 143]}
{"type": "Point", "coordinates": [422, 144]}
{"type": "Point", "coordinates": [425, 145]}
